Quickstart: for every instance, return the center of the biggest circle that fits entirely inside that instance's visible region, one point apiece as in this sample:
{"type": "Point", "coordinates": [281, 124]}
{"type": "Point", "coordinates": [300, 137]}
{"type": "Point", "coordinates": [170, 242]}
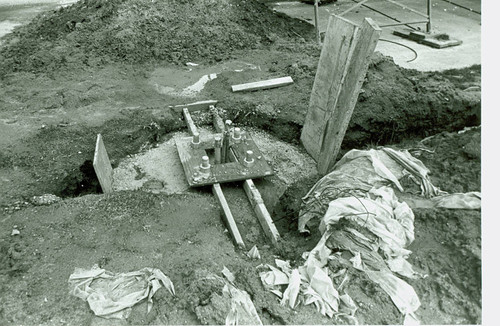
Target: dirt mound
{"type": "Point", "coordinates": [93, 32]}
{"type": "Point", "coordinates": [395, 103]}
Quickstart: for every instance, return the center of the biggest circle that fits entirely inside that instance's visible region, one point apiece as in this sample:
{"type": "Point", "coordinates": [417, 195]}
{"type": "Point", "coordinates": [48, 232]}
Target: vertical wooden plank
{"type": "Point", "coordinates": [102, 166]}
{"type": "Point", "coordinates": [338, 120]}
{"type": "Point", "coordinates": [228, 216]}
{"type": "Point", "coordinates": [332, 64]}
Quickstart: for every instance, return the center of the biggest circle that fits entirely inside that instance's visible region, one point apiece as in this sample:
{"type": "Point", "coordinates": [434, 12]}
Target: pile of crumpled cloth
{"type": "Point", "coordinates": [361, 218]}
{"type": "Point", "coordinates": [112, 295]}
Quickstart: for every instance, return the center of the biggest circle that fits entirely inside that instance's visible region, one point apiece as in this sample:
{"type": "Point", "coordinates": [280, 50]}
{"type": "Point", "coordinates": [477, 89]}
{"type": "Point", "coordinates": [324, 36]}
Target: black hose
{"type": "Point", "coordinates": [406, 46]}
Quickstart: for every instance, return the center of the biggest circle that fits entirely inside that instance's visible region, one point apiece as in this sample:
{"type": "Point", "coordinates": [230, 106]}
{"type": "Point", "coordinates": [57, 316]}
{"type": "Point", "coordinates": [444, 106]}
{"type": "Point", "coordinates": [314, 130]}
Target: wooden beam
{"type": "Point", "coordinates": [228, 216]}
{"type": "Point", "coordinates": [102, 166]}
{"type": "Point", "coordinates": [193, 107]}
{"type": "Point", "coordinates": [260, 209]}
{"type": "Point", "coordinates": [341, 71]}
{"type": "Point", "coordinates": [189, 122]}
{"type": "Point", "coordinates": [338, 120]}
{"type": "Point", "coordinates": [331, 66]}
{"type": "Point", "coordinates": [265, 84]}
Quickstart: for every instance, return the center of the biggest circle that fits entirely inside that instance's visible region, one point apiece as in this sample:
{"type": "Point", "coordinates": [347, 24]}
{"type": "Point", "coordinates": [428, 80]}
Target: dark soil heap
{"type": "Point", "coordinates": [94, 32]}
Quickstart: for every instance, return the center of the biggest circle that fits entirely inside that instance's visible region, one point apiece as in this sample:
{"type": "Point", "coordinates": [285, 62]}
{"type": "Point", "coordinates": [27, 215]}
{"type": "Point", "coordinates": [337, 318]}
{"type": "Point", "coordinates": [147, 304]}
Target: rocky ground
{"type": "Point", "coordinates": [97, 67]}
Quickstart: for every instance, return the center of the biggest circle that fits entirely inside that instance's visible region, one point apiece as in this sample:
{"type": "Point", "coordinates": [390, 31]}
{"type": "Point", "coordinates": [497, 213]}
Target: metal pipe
{"type": "Point", "coordinates": [357, 5]}
{"type": "Point", "coordinates": [385, 15]}
{"type": "Point", "coordinates": [316, 20]}
{"type": "Point", "coordinates": [429, 9]}
{"type": "Point", "coordinates": [217, 149]}
{"type": "Point", "coordinates": [408, 8]}
{"type": "Point", "coordinates": [463, 7]}
{"type": "Point", "coordinates": [404, 23]}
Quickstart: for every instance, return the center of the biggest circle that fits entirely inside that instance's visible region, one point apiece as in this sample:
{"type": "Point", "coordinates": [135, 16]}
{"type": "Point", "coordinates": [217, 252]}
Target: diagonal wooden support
{"type": "Point", "coordinates": [259, 207]}
{"type": "Point", "coordinates": [228, 216]}
{"type": "Point", "coordinates": [341, 71]}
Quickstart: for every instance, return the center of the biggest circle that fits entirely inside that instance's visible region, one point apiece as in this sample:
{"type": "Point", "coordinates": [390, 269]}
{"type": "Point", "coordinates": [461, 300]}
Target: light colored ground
{"type": "Point", "coordinates": [162, 165]}
{"type": "Point", "coordinates": [16, 12]}
{"type": "Point", "coordinates": [447, 18]}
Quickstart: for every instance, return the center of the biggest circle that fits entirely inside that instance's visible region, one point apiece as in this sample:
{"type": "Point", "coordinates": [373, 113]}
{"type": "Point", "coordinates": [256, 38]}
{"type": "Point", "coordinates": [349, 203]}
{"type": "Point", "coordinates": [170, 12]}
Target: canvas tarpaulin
{"type": "Point", "coordinates": [359, 213]}
{"type": "Point", "coordinates": [112, 295]}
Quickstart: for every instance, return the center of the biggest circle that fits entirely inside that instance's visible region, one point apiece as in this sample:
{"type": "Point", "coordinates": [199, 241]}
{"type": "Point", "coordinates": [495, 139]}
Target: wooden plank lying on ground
{"type": "Point", "coordinates": [338, 120]}
{"type": "Point", "coordinates": [193, 107]}
{"type": "Point", "coordinates": [265, 84]}
{"type": "Point", "coordinates": [228, 216]}
{"type": "Point", "coordinates": [190, 123]}
{"type": "Point", "coordinates": [102, 166]}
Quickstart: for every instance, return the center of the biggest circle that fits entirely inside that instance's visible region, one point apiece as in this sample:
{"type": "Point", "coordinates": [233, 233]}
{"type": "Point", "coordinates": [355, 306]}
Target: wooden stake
{"type": "Point", "coordinates": [316, 21]}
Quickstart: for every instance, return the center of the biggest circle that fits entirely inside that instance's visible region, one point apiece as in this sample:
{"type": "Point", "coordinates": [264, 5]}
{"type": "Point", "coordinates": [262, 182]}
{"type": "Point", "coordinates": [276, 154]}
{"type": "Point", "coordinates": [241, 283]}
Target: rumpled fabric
{"type": "Point", "coordinates": [111, 295]}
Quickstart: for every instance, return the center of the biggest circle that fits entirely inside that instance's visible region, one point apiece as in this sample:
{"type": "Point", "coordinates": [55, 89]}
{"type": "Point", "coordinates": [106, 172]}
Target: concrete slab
{"type": "Point", "coordinates": [448, 18]}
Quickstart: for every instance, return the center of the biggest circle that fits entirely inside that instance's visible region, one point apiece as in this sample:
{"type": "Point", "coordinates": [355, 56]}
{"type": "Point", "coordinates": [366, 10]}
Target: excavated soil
{"type": "Point", "coordinates": [95, 67]}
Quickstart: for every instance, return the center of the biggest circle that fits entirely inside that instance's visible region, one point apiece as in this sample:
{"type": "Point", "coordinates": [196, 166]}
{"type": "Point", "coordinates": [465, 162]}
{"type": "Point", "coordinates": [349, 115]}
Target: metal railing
{"type": "Point", "coordinates": [398, 22]}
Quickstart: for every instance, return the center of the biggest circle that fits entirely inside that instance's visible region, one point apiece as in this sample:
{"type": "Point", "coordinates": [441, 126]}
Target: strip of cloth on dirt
{"type": "Point", "coordinates": [112, 295]}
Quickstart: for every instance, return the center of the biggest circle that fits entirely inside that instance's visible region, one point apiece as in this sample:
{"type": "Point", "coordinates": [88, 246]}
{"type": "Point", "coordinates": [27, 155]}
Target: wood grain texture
{"type": "Point", "coordinates": [228, 216]}
{"type": "Point", "coordinates": [338, 119]}
{"type": "Point", "coordinates": [260, 209]}
{"type": "Point", "coordinates": [264, 84]}
{"type": "Point", "coordinates": [332, 65]}
{"type": "Point", "coordinates": [102, 166]}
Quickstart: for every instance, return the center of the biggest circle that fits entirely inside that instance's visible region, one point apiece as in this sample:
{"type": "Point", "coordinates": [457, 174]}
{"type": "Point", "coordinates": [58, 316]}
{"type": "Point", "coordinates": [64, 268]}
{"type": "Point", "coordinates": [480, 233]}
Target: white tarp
{"type": "Point", "coordinates": [112, 295]}
{"type": "Point", "coordinates": [359, 212]}
{"type": "Point", "coordinates": [360, 171]}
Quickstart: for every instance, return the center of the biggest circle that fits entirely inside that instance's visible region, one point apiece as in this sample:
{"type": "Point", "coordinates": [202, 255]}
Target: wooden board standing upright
{"type": "Point", "coordinates": [102, 166]}
{"type": "Point", "coordinates": [341, 71]}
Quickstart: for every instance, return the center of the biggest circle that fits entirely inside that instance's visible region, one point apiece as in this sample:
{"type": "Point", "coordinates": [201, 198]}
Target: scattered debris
{"type": "Point", "coordinates": [112, 295]}
{"type": "Point", "coordinates": [254, 253]}
{"type": "Point", "coordinates": [46, 199]}
{"type": "Point", "coordinates": [438, 41]}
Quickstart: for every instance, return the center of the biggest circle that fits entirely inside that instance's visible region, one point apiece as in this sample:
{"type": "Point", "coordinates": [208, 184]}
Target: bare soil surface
{"type": "Point", "coordinates": [95, 67]}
